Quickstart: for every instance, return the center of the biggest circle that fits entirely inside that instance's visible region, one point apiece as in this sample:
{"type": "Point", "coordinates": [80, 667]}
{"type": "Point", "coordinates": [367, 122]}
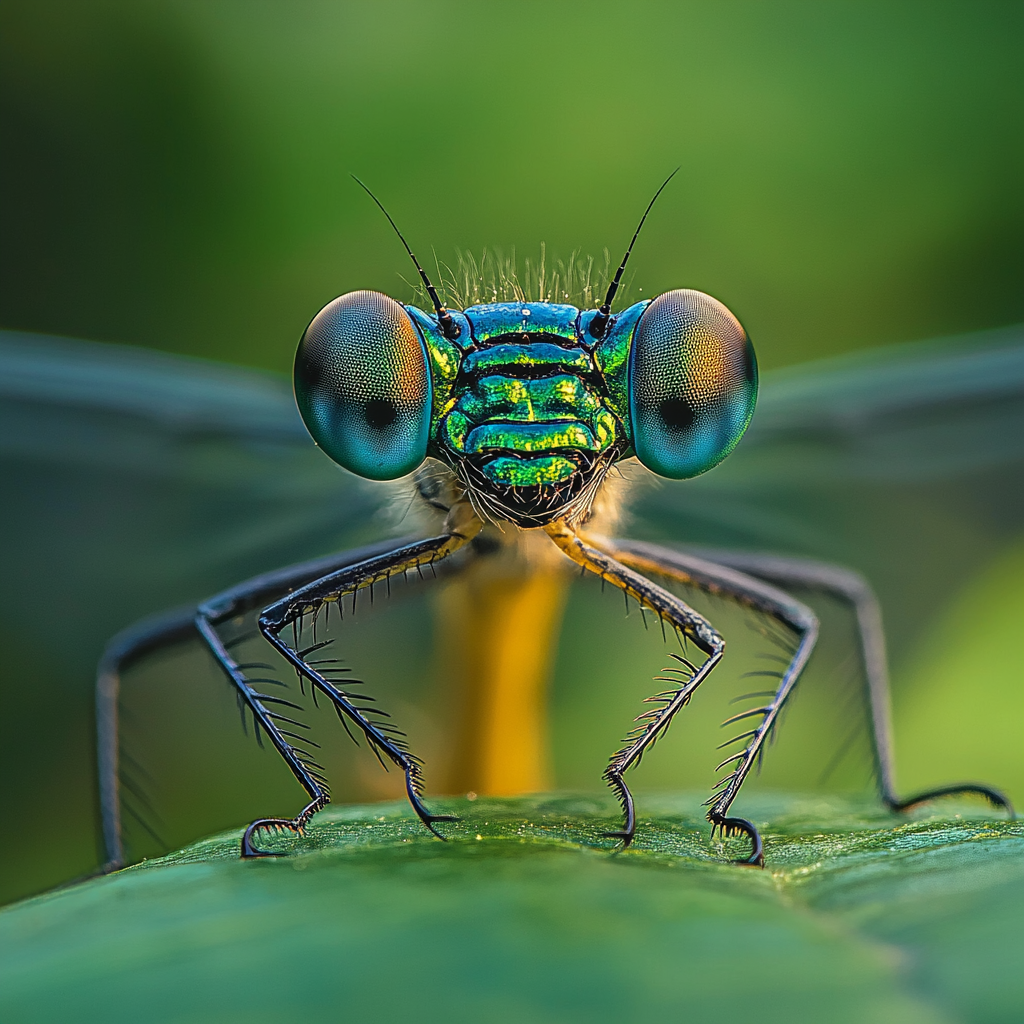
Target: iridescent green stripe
{"type": "Point", "coordinates": [547, 399]}
{"type": "Point", "coordinates": [548, 469]}
{"type": "Point", "coordinates": [541, 355]}
{"type": "Point", "coordinates": [530, 437]}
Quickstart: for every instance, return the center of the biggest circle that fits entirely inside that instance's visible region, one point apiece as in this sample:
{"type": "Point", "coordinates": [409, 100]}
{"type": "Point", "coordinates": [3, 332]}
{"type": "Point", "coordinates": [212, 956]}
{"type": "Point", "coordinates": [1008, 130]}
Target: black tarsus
{"type": "Point", "coordinates": [449, 327]}
{"type": "Point", "coordinates": [385, 741]}
{"type": "Point", "coordinates": [759, 596]}
{"type": "Point", "coordinates": [149, 635]}
{"type": "Point", "coordinates": [994, 796]}
{"type": "Point", "coordinates": [851, 588]}
{"type": "Point", "coordinates": [761, 572]}
{"type": "Point", "coordinates": [600, 322]}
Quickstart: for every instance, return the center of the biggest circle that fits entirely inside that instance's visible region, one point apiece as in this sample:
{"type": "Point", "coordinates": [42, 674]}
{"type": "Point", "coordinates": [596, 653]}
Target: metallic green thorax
{"type": "Point", "coordinates": [524, 391]}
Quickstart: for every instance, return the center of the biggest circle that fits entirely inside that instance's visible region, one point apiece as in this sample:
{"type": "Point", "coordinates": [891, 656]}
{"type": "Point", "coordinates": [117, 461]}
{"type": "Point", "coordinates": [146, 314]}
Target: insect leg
{"type": "Point", "coordinates": [121, 652]}
{"type": "Point", "coordinates": [851, 587]}
{"type": "Point", "coordinates": [163, 630]}
{"type": "Point", "coordinates": [461, 526]}
{"type": "Point", "coordinates": [753, 593]}
{"type": "Point", "coordinates": [687, 623]}
{"type": "Point", "coordinates": [299, 760]}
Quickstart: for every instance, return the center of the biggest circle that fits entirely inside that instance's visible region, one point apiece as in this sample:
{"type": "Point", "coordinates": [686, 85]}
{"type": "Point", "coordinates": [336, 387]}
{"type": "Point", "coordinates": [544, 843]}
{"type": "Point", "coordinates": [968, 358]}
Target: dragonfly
{"type": "Point", "coordinates": [509, 418]}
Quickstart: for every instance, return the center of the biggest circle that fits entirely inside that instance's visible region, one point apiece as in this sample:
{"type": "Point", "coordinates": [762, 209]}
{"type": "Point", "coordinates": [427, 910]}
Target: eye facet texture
{"type": "Point", "coordinates": [363, 387]}
{"type": "Point", "coordinates": [692, 384]}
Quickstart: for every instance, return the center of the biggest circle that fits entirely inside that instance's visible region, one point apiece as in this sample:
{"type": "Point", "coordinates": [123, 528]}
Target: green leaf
{"type": "Point", "coordinates": [528, 914]}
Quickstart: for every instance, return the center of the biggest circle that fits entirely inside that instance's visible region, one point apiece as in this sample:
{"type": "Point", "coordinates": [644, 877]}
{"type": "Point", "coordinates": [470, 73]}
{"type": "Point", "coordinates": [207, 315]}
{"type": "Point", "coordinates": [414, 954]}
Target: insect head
{"type": "Point", "coordinates": [528, 403]}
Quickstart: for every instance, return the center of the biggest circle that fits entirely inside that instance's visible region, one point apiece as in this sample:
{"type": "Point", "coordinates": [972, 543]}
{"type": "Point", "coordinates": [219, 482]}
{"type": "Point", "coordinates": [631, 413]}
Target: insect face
{"type": "Point", "coordinates": [525, 405]}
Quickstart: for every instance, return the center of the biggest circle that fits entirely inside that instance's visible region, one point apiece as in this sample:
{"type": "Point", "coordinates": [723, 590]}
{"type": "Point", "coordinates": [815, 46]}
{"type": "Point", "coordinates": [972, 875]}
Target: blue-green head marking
{"type": "Point", "coordinates": [529, 404]}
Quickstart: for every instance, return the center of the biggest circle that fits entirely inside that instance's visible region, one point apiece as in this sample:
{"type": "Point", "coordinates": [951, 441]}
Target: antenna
{"type": "Point", "coordinates": [449, 328]}
{"type": "Point", "coordinates": [600, 322]}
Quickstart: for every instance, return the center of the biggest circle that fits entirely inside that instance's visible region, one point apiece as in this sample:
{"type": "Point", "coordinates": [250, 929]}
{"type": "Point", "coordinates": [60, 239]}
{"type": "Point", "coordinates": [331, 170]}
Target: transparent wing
{"type": "Point", "coordinates": [905, 463]}
{"type": "Point", "coordinates": [130, 482]}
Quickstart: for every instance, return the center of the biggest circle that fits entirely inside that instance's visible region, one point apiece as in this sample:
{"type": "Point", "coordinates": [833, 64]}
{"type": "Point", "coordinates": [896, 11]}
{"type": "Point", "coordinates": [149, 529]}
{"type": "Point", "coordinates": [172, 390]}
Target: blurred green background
{"type": "Point", "coordinates": [176, 175]}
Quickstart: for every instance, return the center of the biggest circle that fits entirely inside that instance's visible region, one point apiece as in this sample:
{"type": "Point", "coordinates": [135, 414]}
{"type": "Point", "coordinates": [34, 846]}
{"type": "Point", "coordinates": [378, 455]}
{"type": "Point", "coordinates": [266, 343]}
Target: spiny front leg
{"type": "Point", "coordinates": [853, 589]}
{"type": "Point", "coordinates": [753, 747]}
{"type": "Point", "coordinates": [261, 705]}
{"type": "Point", "coordinates": [384, 739]}
{"type": "Point", "coordinates": [769, 601]}
{"type": "Point", "coordinates": [684, 621]}
{"type": "Point", "coordinates": [265, 709]}
{"type": "Point", "coordinates": [805, 624]}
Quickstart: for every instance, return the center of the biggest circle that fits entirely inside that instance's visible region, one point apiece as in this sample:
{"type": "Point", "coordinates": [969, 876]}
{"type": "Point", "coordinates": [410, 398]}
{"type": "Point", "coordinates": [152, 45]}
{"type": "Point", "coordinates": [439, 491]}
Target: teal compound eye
{"type": "Point", "coordinates": [692, 384]}
{"type": "Point", "coordinates": [363, 387]}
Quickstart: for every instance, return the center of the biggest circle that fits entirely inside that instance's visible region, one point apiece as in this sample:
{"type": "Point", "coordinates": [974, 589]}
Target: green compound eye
{"type": "Point", "coordinates": [363, 387]}
{"type": "Point", "coordinates": [692, 384]}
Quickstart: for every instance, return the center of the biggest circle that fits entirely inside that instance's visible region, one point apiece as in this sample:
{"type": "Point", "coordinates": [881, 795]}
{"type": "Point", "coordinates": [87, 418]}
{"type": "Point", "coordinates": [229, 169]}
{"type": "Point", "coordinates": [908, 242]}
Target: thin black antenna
{"type": "Point", "coordinates": [449, 327]}
{"type": "Point", "coordinates": [600, 322]}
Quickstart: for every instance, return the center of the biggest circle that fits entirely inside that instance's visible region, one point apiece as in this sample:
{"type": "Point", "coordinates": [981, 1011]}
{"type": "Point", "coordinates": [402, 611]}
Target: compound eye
{"type": "Point", "coordinates": [692, 384]}
{"type": "Point", "coordinates": [363, 387]}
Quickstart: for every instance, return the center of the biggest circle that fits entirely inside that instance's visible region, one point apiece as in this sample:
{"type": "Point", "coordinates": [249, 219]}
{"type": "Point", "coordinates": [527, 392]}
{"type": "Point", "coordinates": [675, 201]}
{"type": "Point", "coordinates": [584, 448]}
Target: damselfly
{"type": "Point", "coordinates": [511, 417]}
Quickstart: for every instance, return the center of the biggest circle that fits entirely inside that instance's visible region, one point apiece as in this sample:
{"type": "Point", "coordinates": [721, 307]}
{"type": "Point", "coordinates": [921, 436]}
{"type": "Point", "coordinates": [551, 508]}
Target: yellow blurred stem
{"type": "Point", "coordinates": [498, 625]}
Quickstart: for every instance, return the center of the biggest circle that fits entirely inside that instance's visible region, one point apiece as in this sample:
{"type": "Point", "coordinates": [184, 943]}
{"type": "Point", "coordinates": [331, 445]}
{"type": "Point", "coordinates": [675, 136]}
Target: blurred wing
{"type": "Point", "coordinates": [130, 481]}
{"type": "Point", "coordinates": [134, 480]}
{"type": "Point", "coordinates": [905, 463]}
